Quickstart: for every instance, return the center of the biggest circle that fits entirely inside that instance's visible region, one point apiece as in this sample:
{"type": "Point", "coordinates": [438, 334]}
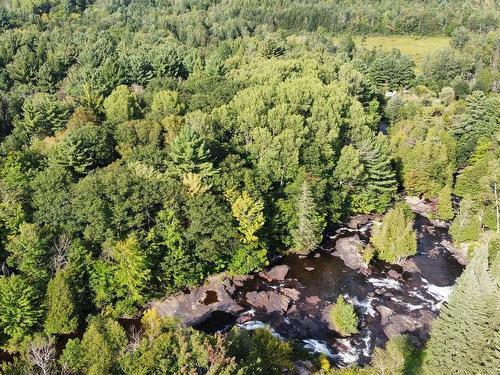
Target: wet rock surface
{"type": "Point", "coordinates": [313, 300]}
{"type": "Point", "coordinates": [428, 210]}
{"type": "Point", "coordinates": [293, 298]}
{"type": "Point", "coordinates": [293, 294]}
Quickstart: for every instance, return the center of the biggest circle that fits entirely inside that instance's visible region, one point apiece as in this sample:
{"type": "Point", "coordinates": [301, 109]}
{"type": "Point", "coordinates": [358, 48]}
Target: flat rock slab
{"type": "Point", "coordinates": [385, 313]}
{"type": "Point", "coordinates": [460, 253]}
{"type": "Point", "coordinates": [409, 265]}
{"type": "Point", "coordinates": [271, 301]}
{"type": "Point", "coordinates": [291, 293]}
{"type": "Point", "coordinates": [399, 324]}
{"type": "Point", "coordinates": [426, 319]}
{"type": "Point", "coordinates": [325, 316]}
{"type": "Point", "coordinates": [190, 308]}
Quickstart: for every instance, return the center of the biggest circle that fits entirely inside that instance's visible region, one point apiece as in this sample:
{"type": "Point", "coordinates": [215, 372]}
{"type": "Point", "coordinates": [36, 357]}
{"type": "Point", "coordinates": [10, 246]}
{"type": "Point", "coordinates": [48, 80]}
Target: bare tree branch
{"type": "Point", "coordinates": [42, 355]}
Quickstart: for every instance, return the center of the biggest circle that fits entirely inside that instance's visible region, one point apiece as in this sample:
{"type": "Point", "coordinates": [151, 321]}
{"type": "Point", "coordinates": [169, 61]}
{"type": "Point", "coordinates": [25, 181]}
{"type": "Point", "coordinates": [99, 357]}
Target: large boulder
{"type": "Point", "coordinates": [277, 273]}
{"type": "Point", "coordinates": [426, 318]}
{"type": "Point", "coordinates": [325, 316]}
{"type": "Point", "coordinates": [400, 324]}
{"type": "Point", "coordinates": [394, 274]}
{"type": "Point", "coordinates": [347, 249]}
{"type": "Point", "coordinates": [418, 325]}
{"type": "Point", "coordinates": [410, 266]}
{"type": "Point", "coordinates": [385, 313]}
{"type": "Point", "coordinates": [240, 280]}
{"type": "Point", "coordinates": [291, 293]}
{"type": "Point", "coordinates": [313, 300]}
{"type": "Point", "coordinates": [420, 206]}
{"type": "Point", "coordinates": [460, 253]}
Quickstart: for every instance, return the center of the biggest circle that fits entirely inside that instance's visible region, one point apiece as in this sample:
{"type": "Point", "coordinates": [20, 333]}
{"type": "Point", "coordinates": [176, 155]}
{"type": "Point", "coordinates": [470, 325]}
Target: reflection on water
{"type": "Point", "coordinates": [210, 297]}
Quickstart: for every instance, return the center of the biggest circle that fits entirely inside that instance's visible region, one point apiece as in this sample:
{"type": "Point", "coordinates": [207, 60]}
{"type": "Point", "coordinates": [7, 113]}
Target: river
{"type": "Point", "coordinates": [296, 307]}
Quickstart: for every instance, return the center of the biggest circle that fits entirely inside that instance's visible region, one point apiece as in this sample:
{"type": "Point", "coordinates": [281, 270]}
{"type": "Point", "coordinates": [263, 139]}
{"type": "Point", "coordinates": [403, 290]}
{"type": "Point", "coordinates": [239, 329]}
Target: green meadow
{"type": "Point", "coordinates": [417, 47]}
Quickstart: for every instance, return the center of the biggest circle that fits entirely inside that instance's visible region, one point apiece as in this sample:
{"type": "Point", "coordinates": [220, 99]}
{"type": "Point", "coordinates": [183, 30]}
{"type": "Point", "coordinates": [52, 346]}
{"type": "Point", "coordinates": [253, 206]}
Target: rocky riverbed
{"type": "Point", "coordinates": [293, 298]}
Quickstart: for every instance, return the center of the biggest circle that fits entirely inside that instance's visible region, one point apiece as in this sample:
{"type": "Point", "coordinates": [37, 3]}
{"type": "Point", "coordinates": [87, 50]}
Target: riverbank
{"type": "Point", "coordinates": [293, 297]}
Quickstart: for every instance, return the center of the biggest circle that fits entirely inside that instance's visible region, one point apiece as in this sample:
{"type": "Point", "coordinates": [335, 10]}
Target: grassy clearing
{"type": "Point", "coordinates": [417, 47]}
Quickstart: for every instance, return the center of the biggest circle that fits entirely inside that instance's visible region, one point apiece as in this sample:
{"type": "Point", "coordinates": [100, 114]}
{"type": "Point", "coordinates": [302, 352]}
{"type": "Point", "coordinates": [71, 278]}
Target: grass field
{"type": "Point", "coordinates": [416, 47]}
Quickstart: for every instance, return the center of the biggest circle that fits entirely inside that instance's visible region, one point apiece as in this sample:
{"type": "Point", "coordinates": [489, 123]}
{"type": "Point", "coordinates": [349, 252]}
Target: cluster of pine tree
{"type": "Point", "coordinates": [465, 338]}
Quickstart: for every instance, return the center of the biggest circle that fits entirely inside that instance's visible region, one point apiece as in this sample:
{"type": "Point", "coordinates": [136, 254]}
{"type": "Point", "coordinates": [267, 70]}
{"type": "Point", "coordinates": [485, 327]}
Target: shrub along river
{"type": "Point", "coordinates": [293, 298]}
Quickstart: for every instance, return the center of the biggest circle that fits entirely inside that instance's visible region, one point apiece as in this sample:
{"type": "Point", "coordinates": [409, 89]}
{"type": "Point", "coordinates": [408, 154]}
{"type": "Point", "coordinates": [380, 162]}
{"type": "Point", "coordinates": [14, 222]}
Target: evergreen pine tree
{"type": "Point", "coordinates": [174, 265]}
{"type": "Point", "coordinates": [83, 148]}
{"type": "Point", "coordinates": [376, 156]}
{"type": "Point", "coordinates": [42, 115]}
{"type": "Point", "coordinates": [45, 78]}
{"type": "Point", "coordinates": [347, 45]}
{"type": "Point", "coordinates": [480, 119]}
{"type": "Point", "coordinates": [61, 314]}
{"type": "Point", "coordinates": [349, 170]}
{"type": "Point", "coordinates": [29, 254]}
{"type": "Point", "coordinates": [343, 317]}
{"type": "Point", "coordinates": [91, 99]}
{"type": "Point", "coordinates": [23, 66]}
{"type": "Point", "coordinates": [380, 179]}
{"type": "Point", "coordinates": [189, 154]}
{"type": "Point", "coordinates": [309, 230]}
{"type": "Point", "coordinates": [464, 339]}
{"type": "Point", "coordinates": [394, 238]}
{"type": "Point", "coordinates": [131, 273]}
{"type": "Point", "coordinates": [98, 351]}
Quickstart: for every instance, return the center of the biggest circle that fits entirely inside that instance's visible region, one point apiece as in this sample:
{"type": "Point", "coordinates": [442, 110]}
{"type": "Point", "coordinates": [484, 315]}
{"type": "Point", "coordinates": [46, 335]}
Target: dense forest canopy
{"type": "Point", "coordinates": [146, 145]}
{"type": "Point", "coordinates": [227, 19]}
